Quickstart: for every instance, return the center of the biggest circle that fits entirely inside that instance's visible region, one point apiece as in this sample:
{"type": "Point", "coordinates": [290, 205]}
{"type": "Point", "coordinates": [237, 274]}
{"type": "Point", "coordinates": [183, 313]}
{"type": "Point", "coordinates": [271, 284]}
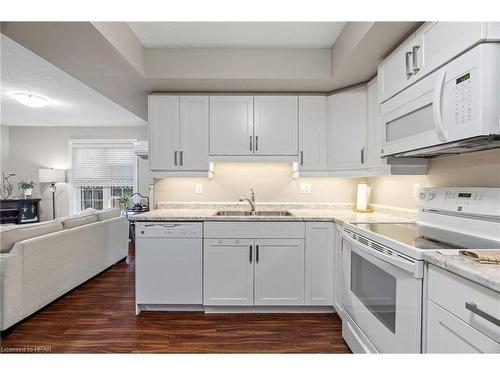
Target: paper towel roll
{"type": "Point", "coordinates": [363, 191]}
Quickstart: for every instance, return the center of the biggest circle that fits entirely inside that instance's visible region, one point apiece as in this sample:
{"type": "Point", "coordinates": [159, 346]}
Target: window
{"type": "Point", "coordinates": [101, 173]}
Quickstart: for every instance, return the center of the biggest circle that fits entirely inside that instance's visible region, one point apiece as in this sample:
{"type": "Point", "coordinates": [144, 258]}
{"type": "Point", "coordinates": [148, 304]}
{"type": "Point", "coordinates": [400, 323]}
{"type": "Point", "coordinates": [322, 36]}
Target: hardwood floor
{"type": "Point", "coordinates": [99, 317]}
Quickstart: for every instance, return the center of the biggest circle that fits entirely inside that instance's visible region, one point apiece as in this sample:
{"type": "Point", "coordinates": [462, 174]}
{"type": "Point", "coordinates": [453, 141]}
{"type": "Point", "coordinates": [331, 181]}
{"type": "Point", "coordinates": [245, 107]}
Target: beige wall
{"type": "Point", "coordinates": [4, 149]}
{"type": "Point", "coordinates": [32, 148]}
{"type": "Point", "coordinates": [271, 182]}
{"type": "Point", "coordinates": [479, 169]}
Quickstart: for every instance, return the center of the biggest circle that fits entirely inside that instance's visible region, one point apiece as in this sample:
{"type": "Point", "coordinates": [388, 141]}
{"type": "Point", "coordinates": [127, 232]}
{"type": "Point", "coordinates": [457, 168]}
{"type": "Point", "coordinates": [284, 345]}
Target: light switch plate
{"type": "Point", "coordinates": [198, 188]}
{"type": "Point", "coordinates": [416, 190]}
{"type": "Point", "coordinates": [305, 188]}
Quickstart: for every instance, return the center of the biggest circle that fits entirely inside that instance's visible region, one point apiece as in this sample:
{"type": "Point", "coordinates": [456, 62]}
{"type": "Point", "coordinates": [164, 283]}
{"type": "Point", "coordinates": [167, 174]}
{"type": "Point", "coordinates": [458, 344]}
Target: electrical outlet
{"type": "Point", "coordinates": [305, 188]}
{"type": "Point", "coordinates": [198, 189]}
{"type": "Point", "coordinates": [416, 190]}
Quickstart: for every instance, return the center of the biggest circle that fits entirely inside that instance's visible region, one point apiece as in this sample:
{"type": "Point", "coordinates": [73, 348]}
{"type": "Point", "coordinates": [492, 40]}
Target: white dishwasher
{"type": "Point", "coordinates": [168, 266]}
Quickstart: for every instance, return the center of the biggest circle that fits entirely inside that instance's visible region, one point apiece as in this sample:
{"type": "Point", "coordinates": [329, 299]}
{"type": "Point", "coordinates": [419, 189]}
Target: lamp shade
{"type": "Point", "coordinates": [51, 175]}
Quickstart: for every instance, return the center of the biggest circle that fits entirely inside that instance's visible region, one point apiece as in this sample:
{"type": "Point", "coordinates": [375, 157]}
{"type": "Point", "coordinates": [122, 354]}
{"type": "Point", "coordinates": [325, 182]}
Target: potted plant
{"type": "Point", "coordinates": [123, 202]}
{"type": "Point", "coordinates": [27, 188]}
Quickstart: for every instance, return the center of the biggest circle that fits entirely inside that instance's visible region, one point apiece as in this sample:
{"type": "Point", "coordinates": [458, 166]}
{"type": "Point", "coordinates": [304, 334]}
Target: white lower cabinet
{"type": "Point", "coordinates": [228, 272]}
{"type": "Point", "coordinates": [338, 277]}
{"type": "Point", "coordinates": [279, 272]}
{"type": "Point", "coordinates": [462, 316]}
{"type": "Point", "coordinates": [319, 263]}
{"type": "Point", "coordinates": [267, 264]}
{"type": "Point", "coordinates": [448, 334]}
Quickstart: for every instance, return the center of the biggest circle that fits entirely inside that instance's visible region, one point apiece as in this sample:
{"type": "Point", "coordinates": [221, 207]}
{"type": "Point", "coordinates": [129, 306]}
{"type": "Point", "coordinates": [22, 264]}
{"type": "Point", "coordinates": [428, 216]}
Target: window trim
{"type": "Point", "coordinates": [74, 201]}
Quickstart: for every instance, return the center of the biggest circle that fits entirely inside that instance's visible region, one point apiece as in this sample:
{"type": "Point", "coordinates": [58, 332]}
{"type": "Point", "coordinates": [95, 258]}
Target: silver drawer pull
{"type": "Point", "coordinates": [407, 60]}
{"type": "Point", "coordinates": [473, 308]}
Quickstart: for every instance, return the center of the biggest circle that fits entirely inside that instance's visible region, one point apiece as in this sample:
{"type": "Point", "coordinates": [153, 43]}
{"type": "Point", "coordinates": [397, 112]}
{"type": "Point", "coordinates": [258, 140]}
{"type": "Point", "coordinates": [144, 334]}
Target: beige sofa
{"type": "Point", "coordinates": [40, 263]}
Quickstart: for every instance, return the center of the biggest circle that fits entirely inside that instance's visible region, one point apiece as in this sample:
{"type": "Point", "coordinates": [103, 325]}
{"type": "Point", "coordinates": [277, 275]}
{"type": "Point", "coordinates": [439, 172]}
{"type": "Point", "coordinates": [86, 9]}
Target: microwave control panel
{"type": "Point", "coordinates": [463, 99]}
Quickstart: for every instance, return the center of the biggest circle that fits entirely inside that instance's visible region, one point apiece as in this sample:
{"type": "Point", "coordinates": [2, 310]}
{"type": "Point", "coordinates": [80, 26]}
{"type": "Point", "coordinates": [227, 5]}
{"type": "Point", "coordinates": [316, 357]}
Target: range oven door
{"type": "Point", "coordinates": [456, 102]}
{"type": "Point", "coordinates": [383, 297]}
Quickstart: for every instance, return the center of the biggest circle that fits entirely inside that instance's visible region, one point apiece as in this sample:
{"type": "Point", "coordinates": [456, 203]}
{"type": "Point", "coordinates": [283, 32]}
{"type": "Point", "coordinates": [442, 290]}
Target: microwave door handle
{"type": "Point", "coordinates": [406, 265]}
{"type": "Point", "coordinates": [436, 106]}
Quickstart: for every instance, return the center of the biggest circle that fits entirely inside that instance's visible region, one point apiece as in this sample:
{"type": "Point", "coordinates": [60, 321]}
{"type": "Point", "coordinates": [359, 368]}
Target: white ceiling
{"type": "Point", "coordinates": [237, 34]}
{"type": "Point", "coordinates": [71, 102]}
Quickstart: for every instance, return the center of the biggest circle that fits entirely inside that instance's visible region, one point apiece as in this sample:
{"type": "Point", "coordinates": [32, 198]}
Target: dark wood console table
{"type": "Point", "coordinates": [19, 211]}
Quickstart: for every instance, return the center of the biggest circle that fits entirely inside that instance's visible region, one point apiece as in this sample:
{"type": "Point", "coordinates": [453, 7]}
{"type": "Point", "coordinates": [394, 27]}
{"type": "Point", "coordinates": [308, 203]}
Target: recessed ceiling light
{"type": "Point", "coordinates": [31, 100]}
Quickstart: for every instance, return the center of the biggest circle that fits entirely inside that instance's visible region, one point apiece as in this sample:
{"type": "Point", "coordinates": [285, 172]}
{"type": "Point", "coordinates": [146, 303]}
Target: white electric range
{"type": "Point", "coordinates": [383, 267]}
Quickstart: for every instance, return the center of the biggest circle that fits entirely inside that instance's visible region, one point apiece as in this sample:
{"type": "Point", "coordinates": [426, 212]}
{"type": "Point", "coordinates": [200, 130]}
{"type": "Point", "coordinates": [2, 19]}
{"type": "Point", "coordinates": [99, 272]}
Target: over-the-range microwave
{"type": "Point", "coordinates": [455, 109]}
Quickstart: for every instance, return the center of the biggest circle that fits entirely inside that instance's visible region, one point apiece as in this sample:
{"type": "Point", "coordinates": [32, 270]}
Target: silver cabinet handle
{"type": "Point", "coordinates": [251, 144]}
{"type": "Point", "coordinates": [175, 157]}
{"type": "Point", "coordinates": [415, 59]}
{"type": "Point", "coordinates": [256, 143]}
{"type": "Point", "coordinates": [363, 155]}
{"type": "Point", "coordinates": [181, 157]}
{"type": "Point", "coordinates": [251, 253]}
{"type": "Point", "coordinates": [407, 57]}
{"type": "Point", "coordinates": [471, 306]}
{"type": "Point", "coordinates": [301, 157]}
{"type": "Point", "coordinates": [257, 253]}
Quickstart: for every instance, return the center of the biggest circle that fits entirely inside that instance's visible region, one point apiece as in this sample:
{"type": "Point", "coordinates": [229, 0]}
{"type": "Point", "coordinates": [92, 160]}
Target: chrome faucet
{"type": "Point", "coordinates": [250, 201]}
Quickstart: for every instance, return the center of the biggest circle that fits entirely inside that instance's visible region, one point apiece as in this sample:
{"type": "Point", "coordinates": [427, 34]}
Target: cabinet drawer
{"type": "Point", "coordinates": [254, 230]}
{"type": "Point", "coordinates": [448, 334]}
{"type": "Point", "coordinates": [452, 292]}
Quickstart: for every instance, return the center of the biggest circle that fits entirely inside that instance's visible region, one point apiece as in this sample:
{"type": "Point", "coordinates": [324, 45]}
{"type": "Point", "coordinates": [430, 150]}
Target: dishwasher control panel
{"type": "Point", "coordinates": [168, 230]}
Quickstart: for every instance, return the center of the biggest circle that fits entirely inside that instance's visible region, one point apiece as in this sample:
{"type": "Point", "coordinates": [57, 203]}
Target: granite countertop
{"type": "Point", "coordinates": [300, 212]}
{"type": "Point", "coordinates": [487, 275]}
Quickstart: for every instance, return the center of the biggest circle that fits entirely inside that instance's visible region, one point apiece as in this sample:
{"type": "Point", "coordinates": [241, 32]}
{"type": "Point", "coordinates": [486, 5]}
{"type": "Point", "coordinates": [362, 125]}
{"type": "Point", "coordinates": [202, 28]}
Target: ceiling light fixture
{"type": "Point", "coordinates": [31, 100]}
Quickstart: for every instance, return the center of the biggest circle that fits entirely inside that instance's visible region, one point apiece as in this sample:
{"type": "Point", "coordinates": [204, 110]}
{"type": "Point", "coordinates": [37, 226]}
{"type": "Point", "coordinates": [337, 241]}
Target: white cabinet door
{"type": "Point", "coordinates": [276, 125]}
{"type": "Point", "coordinates": [163, 132]}
{"type": "Point", "coordinates": [319, 263]}
{"type": "Point", "coordinates": [338, 265]}
{"type": "Point", "coordinates": [395, 72]}
{"type": "Point", "coordinates": [448, 334]}
{"type": "Point", "coordinates": [373, 126]}
{"type": "Point", "coordinates": [312, 133]}
{"type": "Point", "coordinates": [438, 42]}
{"type": "Point", "coordinates": [193, 146]}
{"type": "Point", "coordinates": [347, 129]}
{"type": "Point", "coordinates": [228, 272]}
{"type": "Point", "coordinates": [231, 125]}
{"type": "Point", "coordinates": [279, 272]}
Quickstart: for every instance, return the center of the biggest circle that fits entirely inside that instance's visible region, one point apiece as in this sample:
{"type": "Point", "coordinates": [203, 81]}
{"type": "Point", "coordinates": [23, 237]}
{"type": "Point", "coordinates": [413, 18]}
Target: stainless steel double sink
{"type": "Point", "coordinates": [252, 213]}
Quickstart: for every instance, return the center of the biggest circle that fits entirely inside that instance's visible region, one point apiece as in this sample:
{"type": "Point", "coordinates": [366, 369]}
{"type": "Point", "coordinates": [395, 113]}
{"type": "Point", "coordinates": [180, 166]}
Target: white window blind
{"type": "Point", "coordinates": [110, 164]}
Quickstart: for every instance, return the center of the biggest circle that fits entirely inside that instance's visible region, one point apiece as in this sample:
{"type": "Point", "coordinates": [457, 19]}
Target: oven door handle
{"type": "Point", "coordinates": [411, 267]}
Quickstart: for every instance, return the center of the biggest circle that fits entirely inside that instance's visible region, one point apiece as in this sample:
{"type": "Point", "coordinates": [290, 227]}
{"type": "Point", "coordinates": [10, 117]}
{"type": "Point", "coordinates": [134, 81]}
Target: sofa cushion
{"type": "Point", "coordinates": [108, 214]}
{"type": "Point", "coordinates": [10, 235]}
{"type": "Point", "coordinates": [76, 221]}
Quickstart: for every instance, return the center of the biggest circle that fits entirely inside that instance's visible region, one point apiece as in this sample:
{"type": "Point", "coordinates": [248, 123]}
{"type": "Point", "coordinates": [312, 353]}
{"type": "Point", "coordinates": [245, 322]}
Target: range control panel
{"type": "Point", "coordinates": [477, 201]}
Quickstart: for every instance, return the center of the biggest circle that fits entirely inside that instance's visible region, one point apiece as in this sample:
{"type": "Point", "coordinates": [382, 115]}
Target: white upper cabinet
{"type": "Point", "coordinates": [439, 42]}
{"type": "Point", "coordinates": [163, 132]}
{"type": "Point", "coordinates": [276, 125]}
{"type": "Point", "coordinates": [312, 133]}
{"type": "Point", "coordinates": [347, 129]}
{"type": "Point", "coordinates": [178, 133]}
{"type": "Point", "coordinates": [433, 45]}
{"type": "Point", "coordinates": [373, 126]}
{"type": "Point", "coordinates": [193, 137]}
{"type": "Point", "coordinates": [231, 125]}
{"type": "Point", "coordinates": [395, 72]}
{"type": "Point", "coordinates": [319, 263]}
